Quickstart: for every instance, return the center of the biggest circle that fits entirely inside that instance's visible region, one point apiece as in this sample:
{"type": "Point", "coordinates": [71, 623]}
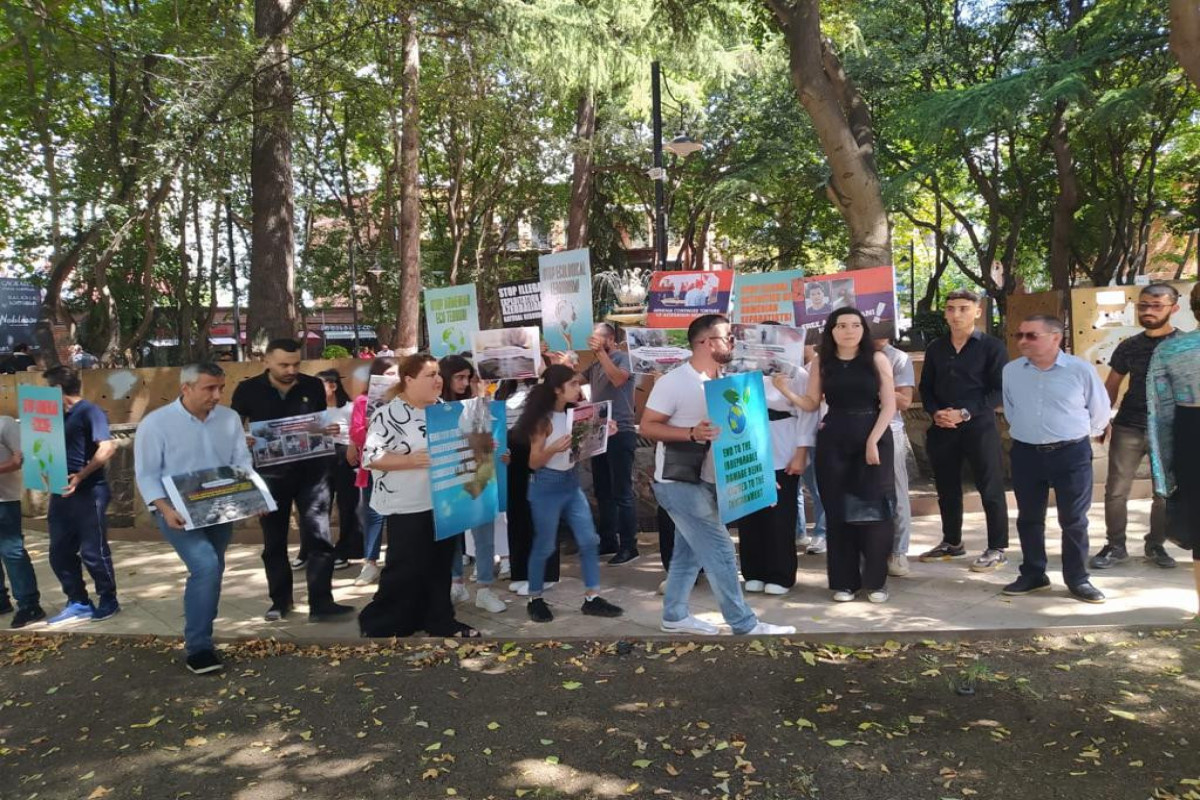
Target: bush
{"type": "Point", "coordinates": [334, 351]}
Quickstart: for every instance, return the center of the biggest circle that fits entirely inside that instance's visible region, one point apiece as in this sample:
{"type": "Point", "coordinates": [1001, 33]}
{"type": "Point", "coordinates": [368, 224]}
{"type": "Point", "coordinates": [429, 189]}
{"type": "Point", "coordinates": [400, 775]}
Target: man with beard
{"type": "Point", "coordinates": [1128, 444]}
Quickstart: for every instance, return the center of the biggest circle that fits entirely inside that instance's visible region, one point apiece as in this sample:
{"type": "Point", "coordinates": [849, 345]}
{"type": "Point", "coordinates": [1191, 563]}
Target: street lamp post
{"type": "Point", "coordinates": [659, 175]}
{"type": "Point", "coordinates": [354, 299]}
{"type": "Point", "coordinates": [237, 313]}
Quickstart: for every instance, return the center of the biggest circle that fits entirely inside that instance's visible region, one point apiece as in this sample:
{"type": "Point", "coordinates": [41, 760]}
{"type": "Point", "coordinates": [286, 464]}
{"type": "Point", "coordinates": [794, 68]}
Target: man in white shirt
{"type": "Point", "coordinates": [676, 416]}
{"type": "Point", "coordinates": [906, 381]}
{"type": "Point", "coordinates": [12, 540]}
{"type": "Point", "coordinates": [195, 432]}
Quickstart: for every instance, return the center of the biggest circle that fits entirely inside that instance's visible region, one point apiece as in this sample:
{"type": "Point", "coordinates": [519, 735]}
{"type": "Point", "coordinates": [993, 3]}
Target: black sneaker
{"type": "Point", "coordinates": [1086, 592]}
{"type": "Point", "coordinates": [276, 613]}
{"type": "Point", "coordinates": [1109, 556]}
{"type": "Point", "coordinates": [1159, 555]}
{"type": "Point", "coordinates": [328, 612]}
{"type": "Point", "coordinates": [943, 552]}
{"type": "Point", "coordinates": [539, 611]}
{"type": "Point", "coordinates": [599, 607]}
{"type": "Point", "coordinates": [1026, 585]}
{"type": "Point", "coordinates": [299, 563]}
{"type": "Point", "coordinates": [623, 557]}
{"type": "Point", "coordinates": [6, 606]}
{"type": "Point", "coordinates": [341, 563]}
{"type": "Point", "coordinates": [203, 662]}
{"type": "Point", "coordinates": [28, 616]}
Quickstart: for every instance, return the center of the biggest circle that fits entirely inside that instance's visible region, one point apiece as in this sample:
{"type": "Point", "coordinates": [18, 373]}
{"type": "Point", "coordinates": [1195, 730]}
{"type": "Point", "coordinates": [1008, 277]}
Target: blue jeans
{"type": "Point", "coordinates": [1068, 471]}
{"type": "Point", "coordinates": [485, 554]}
{"type": "Point", "coordinates": [203, 553]}
{"type": "Point", "coordinates": [701, 541]}
{"type": "Point", "coordinates": [79, 537]}
{"type": "Point", "coordinates": [555, 495]}
{"type": "Point", "coordinates": [810, 481]}
{"type": "Point", "coordinates": [612, 479]}
{"type": "Point", "coordinates": [372, 525]}
{"type": "Point", "coordinates": [15, 558]}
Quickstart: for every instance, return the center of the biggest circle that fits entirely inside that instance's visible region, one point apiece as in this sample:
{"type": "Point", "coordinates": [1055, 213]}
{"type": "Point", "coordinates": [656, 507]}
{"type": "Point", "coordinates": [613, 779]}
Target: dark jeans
{"type": "Point", "coordinates": [304, 484]}
{"type": "Point", "coordinates": [1068, 471]}
{"type": "Point", "coordinates": [79, 533]}
{"type": "Point", "coordinates": [1127, 447]}
{"type": "Point", "coordinates": [15, 558]}
{"type": "Point", "coordinates": [767, 538]}
{"type": "Point", "coordinates": [414, 587]}
{"type": "Point", "coordinates": [345, 494]}
{"type": "Point", "coordinates": [520, 518]}
{"type": "Point", "coordinates": [612, 480]}
{"type": "Point", "coordinates": [978, 442]}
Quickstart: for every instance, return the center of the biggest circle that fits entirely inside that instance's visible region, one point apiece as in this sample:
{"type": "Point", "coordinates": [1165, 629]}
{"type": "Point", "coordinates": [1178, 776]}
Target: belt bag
{"type": "Point", "coordinates": [682, 461]}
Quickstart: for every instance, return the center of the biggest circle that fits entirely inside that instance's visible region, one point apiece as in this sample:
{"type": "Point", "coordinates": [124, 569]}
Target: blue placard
{"type": "Point", "coordinates": [567, 320]}
{"type": "Point", "coordinates": [43, 439]}
{"type": "Point", "coordinates": [465, 465]}
{"type": "Point", "coordinates": [742, 453]}
{"type": "Point", "coordinates": [452, 318]}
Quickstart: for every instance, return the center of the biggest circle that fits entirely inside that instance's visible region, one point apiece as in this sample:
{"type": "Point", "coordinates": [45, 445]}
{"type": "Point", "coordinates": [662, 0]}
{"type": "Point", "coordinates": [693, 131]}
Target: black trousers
{"type": "Point", "coordinates": [520, 517]}
{"type": "Point", "coordinates": [1187, 473]}
{"type": "Point", "coordinates": [414, 587]}
{"type": "Point", "coordinates": [977, 442]}
{"type": "Point", "coordinates": [767, 538]}
{"type": "Point", "coordinates": [304, 484]}
{"type": "Point", "coordinates": [857, 553]}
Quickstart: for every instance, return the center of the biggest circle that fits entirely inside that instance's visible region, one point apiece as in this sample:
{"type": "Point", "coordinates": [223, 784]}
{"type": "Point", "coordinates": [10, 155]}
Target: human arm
{"type": "Point", "coordinates": [149, 461]}
{"type": "Point", "coordinates": [810, 399]}
{"type": "Point", "coordinates": [1098, 405]}
{"type": "Point", "coordinates": [10, 433]}
{"type": "Point", "coordinates": [617, 375]}
{"type": "Point", "coordinates": [993, 379]}
{"type": "Point", "coordinates": [929, 381]}
{"type": "Point", "coordinates": [106, 448]}
{"type": "Point", "coordinates": [887, 407]}
{"type": "Point", "coordinates": [387, 448]}
{"type": "Point", "coordinates": [541, 450]}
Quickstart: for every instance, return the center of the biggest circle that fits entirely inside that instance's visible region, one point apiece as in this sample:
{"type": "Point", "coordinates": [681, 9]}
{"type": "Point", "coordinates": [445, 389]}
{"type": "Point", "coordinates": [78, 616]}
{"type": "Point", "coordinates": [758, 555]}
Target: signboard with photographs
{"type": "Point", "coordinates": [769, 349]}
{"type": "Point", "coordinates": [871, 291]}
{"type": "Point", "coordinates": [220, 494]}
{"type": "Point", "coordinates": [508, 354]}
{"type": "Point", "coordinates": [588, 423]}
{"type": "Point", "coordinates": [379, 388]}
{"type": "Point", "coordinates": [281, 441]}
{"type": "Point", "coordinates": [656, 351]}
{"type": "Point", "coordinates": [676, 298]}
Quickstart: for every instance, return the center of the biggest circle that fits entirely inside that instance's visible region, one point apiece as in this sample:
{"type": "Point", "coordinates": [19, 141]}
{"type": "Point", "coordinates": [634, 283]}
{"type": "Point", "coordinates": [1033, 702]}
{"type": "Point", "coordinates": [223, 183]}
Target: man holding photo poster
{"type": "Point", "coordinates": [194, 433]}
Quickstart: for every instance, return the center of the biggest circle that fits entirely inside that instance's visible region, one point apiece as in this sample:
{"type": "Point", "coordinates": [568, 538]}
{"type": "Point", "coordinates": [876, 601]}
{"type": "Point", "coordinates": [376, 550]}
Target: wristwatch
{"type": "Point", "coordinates": [966, 415]}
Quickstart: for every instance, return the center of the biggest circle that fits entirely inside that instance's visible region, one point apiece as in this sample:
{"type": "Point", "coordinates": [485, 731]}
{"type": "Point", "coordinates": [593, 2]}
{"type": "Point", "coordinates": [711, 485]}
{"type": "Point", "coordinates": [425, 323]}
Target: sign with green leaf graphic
{"type": "Point", "coordinates": [742, 453]}
{"type": "Point", "coordinates": [43, 441]}
{"type": "Point", "coordinates": [452, 318]}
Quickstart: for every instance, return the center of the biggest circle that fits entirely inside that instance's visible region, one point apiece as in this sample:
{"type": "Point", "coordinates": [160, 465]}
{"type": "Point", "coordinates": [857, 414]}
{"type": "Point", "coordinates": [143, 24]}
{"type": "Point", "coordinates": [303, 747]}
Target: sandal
{"type": "Point", "coordinates": [465, 631]}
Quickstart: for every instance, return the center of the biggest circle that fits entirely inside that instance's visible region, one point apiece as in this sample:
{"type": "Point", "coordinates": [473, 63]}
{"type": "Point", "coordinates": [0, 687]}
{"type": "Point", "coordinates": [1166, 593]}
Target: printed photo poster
{"type": "Point", "coordinates": [566, 299]}
{"type": "Point", "coordinates": [220, 494]}
{"type": "Point", "coordinates": [588, 423]}
{"type": "Point", "coordinates": [287, 439]}
{"type": "Point", "coordinates": [656, 351]}
{"type": "Point", "coordinates": [508, 354]}
{"type": "Point", "coordinates": [378, 389]}
{"type": "Point", "coordinates": [43, 440]}
{"type": "Point", "coordinates": [871, 291]}
{"type": "Point", "coordinates": [769, 349]}
{"type": "Point", "coordinates": [742, 453]}
{"type": "Point", "coordinates": [676, 298]}
{"type": "Point", "coordinates": [465, 465]}
{"type": "Point", "coordinates": [452, 316]}
{"type": "Point", "coordinates": [520, 303]}
{"type": "Point", "coordinates": [764, 297]}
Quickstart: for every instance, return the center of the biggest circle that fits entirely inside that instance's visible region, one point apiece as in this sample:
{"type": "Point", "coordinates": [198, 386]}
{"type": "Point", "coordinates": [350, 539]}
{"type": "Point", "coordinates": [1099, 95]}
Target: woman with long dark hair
{"type": "Point", "coordinates": [370, 521]}
{"type": "Point", "coordinates": [854, 454]}
{"type": "Point", "coordinates": [414, 589]}
{"type": "Point", "coordinates": [554, 490]}
{"type": "Point", "coordinates": [519, 516]}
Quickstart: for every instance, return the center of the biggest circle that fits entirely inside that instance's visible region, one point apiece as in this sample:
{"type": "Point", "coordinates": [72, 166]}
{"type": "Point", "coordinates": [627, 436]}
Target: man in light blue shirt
{"type": "Point", "coordinates": [1055, 403]}
{"type": "Point", "coordinates": [193, 433]}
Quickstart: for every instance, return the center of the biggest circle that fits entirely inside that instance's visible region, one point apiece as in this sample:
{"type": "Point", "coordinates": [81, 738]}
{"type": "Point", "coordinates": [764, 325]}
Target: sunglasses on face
{"type": "Point", "coordinates": [1031, 336]}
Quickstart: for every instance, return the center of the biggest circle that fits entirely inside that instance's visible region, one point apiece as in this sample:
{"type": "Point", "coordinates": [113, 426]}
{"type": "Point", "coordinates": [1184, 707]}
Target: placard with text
{"type": "Point", "coordinates": [43, 439]}
{"type": "Point", "coordinates": [566, 290]}
{"type": "Point", "coordinates": [451, 317]}
{"type": "Point", "coordinates": [742, 453]}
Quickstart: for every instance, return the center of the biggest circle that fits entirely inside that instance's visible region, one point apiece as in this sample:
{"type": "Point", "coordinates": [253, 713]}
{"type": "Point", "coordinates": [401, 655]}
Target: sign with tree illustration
{"type": "Point", "coordinates": [43, 443]}
{"type": "Point", "coordinates": [742, 452]}
{"type": "Point", "coordinates": [452, 318]}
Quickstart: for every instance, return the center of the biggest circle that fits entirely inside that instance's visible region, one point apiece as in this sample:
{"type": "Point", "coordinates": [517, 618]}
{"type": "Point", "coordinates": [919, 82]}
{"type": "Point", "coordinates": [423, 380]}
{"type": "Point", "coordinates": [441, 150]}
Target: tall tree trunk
{"type": "Point", "coordinates": [408, 314]}
{"type": "Point", "coordinates": [581, 170]}
{"type": "Point", "coordinates": [1187, 254]}
{"type": "Point", "coordinates": [843, 125]}
{"type": "Point", "coordinates": [151, 233]}
{"type": "Point", "coordinates": [1185, 36]}
{"type": "Point", "coordinates": [272, 307]}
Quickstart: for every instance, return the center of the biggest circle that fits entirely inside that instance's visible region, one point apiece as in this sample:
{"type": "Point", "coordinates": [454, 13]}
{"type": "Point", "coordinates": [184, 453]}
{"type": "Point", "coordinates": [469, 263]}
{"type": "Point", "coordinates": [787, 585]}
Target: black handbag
{"type": "Point", "coordinates": [1180, 525]}
{"type": "Point", "coordinates": [682, 461]}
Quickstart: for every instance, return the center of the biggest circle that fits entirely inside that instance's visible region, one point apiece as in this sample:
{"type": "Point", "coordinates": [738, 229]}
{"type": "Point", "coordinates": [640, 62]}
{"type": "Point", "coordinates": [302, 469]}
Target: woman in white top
{"type": "Point", "coordinates": [554, 491]}
{"type": "Point", "coordinates": [414, 588]}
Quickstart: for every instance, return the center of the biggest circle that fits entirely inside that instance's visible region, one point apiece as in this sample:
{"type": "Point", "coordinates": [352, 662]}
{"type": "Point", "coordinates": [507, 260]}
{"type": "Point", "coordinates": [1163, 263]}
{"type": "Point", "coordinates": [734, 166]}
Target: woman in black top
{"type": "Point", "coordinates": [854, 454]}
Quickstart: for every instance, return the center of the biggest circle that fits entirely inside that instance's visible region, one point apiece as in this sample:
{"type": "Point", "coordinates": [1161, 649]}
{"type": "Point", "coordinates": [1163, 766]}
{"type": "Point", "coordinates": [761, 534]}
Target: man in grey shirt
{"type": "Point", "coordinates": [12, 539]}
{"type": "Point", "coordinates": [612, 472]}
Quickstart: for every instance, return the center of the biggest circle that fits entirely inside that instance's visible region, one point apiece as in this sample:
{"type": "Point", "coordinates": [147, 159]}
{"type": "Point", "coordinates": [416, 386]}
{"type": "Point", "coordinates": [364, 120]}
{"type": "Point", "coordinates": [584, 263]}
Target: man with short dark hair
{"type": "Point", "coordinates": [78, 518]}
{"type": "Point", "coordinates": [960, 389]}
{"type": "Point", "coordinates": [282, 391]}
{"type": "Point", "coordinates": [1128, 443]}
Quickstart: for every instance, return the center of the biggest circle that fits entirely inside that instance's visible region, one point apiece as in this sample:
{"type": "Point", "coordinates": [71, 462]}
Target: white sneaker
{"type": "Point", "coordinates": [775, 589]}
{"type": "Point", "coordinates": [803, 540]}
{"type": "Point", "coordinates": [689, 624]}
{"type": "Point", "coordinates": [459, 593]}
{"type": "Point", "coordinates": [369, 574]}
{"type": "Point", "coordinates": [516, 587]}
{"type": "Point", "coordinates": [817, 546]}
{"type": "Point", "coordinates": [843, 596]}
{"type": "Point", "coordinates": [486, 599]}
{"type": "Point", "coordinates": [767, 629]}
{"type": "Point", "coordinates": [898, 566]}
{"type": "Point", "coordinates": [878, 596]}
{"type": "Point", "coordinates": [662, 587]}
{"type": "Point", "coordinates": [754, 586]}
{"type": "Point", "coordinates": [523, 589]}
{"type": "Point", "coordinates": [505, 568]}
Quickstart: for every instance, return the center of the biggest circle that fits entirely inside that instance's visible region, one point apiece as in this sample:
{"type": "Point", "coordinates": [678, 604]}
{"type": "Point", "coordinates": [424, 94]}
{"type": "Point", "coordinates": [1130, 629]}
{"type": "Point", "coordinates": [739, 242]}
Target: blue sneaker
{"type": "Point", "coordinates": [107, 607]}
{"type": "Point", "coordinates": [74, 612]}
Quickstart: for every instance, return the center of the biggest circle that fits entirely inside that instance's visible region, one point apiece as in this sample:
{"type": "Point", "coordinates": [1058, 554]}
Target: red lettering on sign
{"type": "Point", "coordinates": [27, 405]}
{"type": "Point", "coordinates": [48, 407]}
{"type": "Point", "coordinates": [42, 424]}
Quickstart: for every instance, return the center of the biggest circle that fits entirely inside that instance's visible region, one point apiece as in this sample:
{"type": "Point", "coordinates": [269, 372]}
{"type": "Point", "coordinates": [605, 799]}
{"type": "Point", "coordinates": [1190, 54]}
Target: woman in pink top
{"type": "Point", "coordinates": [372, 521]}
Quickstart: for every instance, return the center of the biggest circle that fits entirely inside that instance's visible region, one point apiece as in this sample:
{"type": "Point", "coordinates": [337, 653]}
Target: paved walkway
{"type": "Point", "coordinates": [935, 597]}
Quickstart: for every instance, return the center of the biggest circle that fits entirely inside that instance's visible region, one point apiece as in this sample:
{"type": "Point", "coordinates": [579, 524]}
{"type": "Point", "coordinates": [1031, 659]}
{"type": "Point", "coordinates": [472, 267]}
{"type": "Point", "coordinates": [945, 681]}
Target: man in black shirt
{"type": "Point", "coordinates": [19, 361]}
{"type": "Point", "coordinates": [282, 391]}
{"type": "Point", "coordinates": [960, 389]}
{"type": "Point", "coordinates": [1128, 443]}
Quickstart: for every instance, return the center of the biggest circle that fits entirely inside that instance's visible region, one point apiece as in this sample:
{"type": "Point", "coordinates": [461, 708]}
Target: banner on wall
{"type": "Point", "coordinates": [566, 288]}
{"type": "Point", "coordinates": [508, 354]}
{"type": "Point", "coordinates": [871, 291]}
{"type": "Point", "coordinates": [451, 317]}
{"type": "Point", "coordinates": [656, 351]}
{"type": "Point", "coordinates": [769, 349]}
{"type": "Point", "coordinates": [742, 453]}
{"type": "Point", "coordinates": [43, 439]}
{"type": "Point", "coordinates": [675, 298]}
{"type": "Point", "coordinates": [764, 297]}
{"type": "Point", "coordinates": [520, 303]}
{"type": "Point", "coordinates": [465, 467]}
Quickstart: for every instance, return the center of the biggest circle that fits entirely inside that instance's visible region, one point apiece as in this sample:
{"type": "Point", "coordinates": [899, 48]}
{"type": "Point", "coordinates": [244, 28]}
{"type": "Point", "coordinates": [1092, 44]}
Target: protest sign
{"type": "Point", "coordinates": [588, 424]}
{"type": "Point", "coordinates": [378, 389]}
{"type": "Point", "coordinates": [742, 453]}
{"type": "Point", "coordinates": [451, 316]}
{"type": "Point", "coordinates": [287, 439]}
{"type": "Point", "coordinates": [656, 351]}
{"type": "Point", "coordinates": [465, 463]}
{"type": "Point", "coordinates": [764, 297]}
{"type": "Point", "coordinates": [508, 353]}
{"type": "Point", "coordinates": [769, 349]}
{"type": "Point", "coordinates": [520, 303]}
{"type": "Point", "coordinates": [675, 298]}
{"type": "Point", "coordinates": [220, 494]}
{"type": "Point", "coordinates": [566, 299]}
{"type": "Point", "coordinates": [871, 291]}
{"type": "Point", "coordinates": [43, 439]}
